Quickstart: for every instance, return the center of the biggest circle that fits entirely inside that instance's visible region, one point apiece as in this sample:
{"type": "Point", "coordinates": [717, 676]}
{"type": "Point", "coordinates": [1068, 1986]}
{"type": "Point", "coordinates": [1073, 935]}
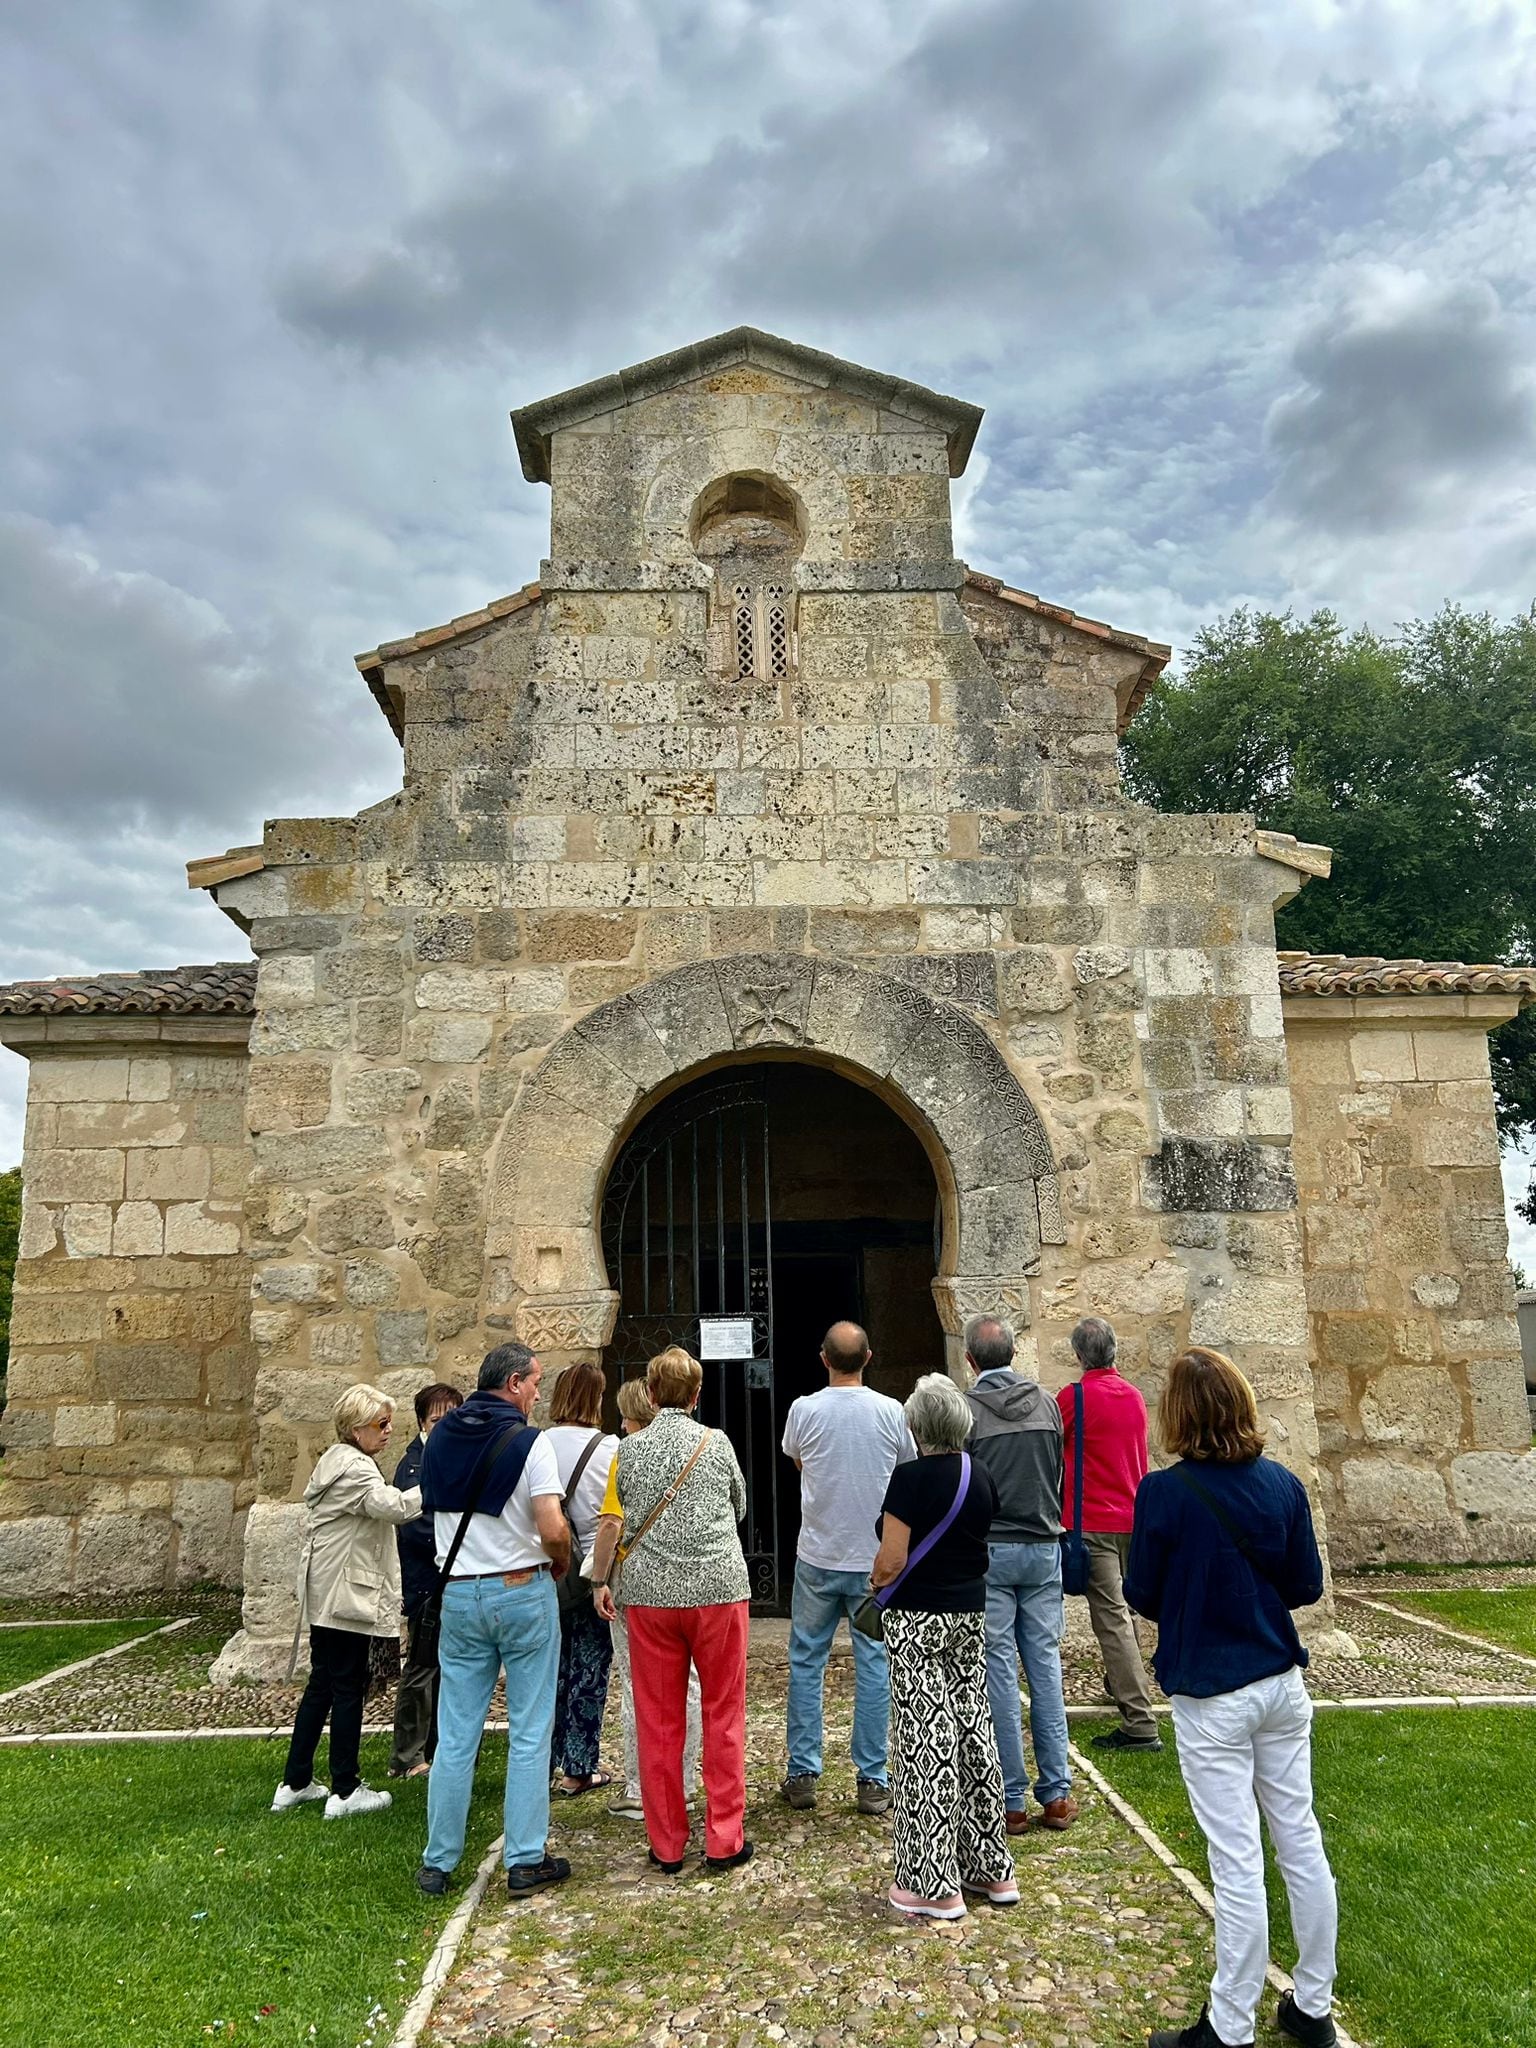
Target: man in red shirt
{"type": "Point", "coordinates": [1114, 1455]}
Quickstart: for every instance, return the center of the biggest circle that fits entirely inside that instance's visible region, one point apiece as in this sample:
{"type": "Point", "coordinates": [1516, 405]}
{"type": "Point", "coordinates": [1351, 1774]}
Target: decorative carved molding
{"type": "Point", "coordinates": [567, 1322]}
{"type": "Point", "coordinates": [765, 1000]}
{"type": "Point", "coordinates": [1053, 1229]}
{"type": "Point", "coordinates": [968, 978]}
{"type": "Point", "coordinates": [958, 1297]}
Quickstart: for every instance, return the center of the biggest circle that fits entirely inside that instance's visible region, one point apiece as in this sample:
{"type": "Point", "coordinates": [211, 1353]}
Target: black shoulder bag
{"type": "Point", "coordinates": [573, 1591]}
{"type": "Point", "coordinates": [1074, 1544]}
{"type": "Point", "coordinates": [429, 1622]}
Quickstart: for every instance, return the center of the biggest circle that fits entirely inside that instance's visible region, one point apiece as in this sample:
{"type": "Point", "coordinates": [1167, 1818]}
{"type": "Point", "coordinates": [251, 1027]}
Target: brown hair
{"type": "Point", "coordinates": [673, 1378]}
{"type": "Point", "coordinates": [439, 1396]}
{"type": "Point", "coordinates": [579, 1395]}
{"type": "Point", "coordinates": [635, 1404]}
{"type": "Point", "coordinates": [1207, 1411]}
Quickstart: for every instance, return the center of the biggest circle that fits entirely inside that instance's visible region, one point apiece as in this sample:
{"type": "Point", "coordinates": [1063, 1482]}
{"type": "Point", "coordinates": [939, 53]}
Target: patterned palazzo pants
{"type": "Point", "coordinates": [946, 1782]}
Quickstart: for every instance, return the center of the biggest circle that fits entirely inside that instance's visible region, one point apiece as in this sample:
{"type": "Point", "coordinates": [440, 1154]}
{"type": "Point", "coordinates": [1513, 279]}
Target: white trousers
{"type": "Point", "coordinates": [694, 1727]}
{"type": "Point", "coordinates": [1242, 1753]}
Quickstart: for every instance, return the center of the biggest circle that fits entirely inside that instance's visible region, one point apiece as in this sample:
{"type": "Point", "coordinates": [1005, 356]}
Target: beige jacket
{"type": "Point", "coordinates": [349, 1573]}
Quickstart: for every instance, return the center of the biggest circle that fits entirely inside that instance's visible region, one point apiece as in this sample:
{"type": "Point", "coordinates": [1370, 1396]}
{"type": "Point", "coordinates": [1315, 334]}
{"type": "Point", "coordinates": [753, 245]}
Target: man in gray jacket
{"type": "Point", "coordinates": [1017, 1435]}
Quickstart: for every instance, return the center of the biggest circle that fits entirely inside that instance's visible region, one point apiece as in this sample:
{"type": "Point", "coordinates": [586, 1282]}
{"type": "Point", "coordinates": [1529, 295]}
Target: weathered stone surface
{"type": "Point", "coordinates": [1195, 1173]}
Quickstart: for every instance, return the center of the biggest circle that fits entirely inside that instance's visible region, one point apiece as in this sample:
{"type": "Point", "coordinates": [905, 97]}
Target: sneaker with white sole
{"type": "Point", "coordinates": [627, 1809]}
{"type": "Point", "coordinates": [285, 1796]}
{"type": "Point", "coordinates": [363, 1799]}
{"type": "Point", "coordinates": [916, 1908]}
{"type": "Point", "coordinates": [1004, 1891]}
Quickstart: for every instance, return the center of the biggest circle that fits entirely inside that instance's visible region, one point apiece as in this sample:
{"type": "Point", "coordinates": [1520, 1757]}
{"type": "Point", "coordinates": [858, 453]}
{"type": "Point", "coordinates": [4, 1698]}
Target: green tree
{"type": "Point", "coordinates": [10, 1237]}
{"type": "Point", "coordinates": [1412, 755]}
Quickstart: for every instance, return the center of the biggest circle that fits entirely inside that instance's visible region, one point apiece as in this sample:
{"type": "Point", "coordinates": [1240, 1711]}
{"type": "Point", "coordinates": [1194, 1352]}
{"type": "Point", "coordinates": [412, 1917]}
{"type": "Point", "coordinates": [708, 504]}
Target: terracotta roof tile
{"type": "Point", "coordinates": [456, 629]}
{"type": "Point", "coordinates": [228, 987]}
{"type": "Point", "coordinates": [1365, 974]}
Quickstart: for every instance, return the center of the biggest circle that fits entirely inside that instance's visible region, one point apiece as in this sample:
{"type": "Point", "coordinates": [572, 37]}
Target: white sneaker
{"type": "Point", "coordinates": [285, 1796]}
{"type": "Point", "coordinates": [627, 1809]}
{"type": "Point", "coordinates": [363, 1800]}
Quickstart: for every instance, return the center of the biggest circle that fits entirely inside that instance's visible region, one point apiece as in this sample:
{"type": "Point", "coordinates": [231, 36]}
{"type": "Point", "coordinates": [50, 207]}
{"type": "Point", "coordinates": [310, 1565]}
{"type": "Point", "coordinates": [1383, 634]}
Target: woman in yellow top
{"type": "Point", "coordinates": [635, 1411]}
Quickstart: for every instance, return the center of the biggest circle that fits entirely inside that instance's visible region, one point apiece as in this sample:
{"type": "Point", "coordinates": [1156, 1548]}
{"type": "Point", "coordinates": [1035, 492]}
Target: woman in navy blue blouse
{"type": "Point", "coordinates": [1222, 1550]}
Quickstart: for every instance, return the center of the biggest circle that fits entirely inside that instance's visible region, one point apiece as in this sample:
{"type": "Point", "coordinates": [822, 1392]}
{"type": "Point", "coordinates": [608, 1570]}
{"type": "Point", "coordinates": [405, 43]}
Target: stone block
{"type": "Point", "coordinates": [370, 1283]}
{"type": "Point", "coordinates": [55, 1318]}
{"type": "Point", "coordinates": [35, 1555]}
{"type": "Point", "coordinates": [67, 1078]}
{"type": "Point", "coordinates": [1458, 1142]}
{"type": "Point", "coordinates": [122, 1554]}
{"type": "Point", "coordinates": [443, 935]}
{"type": "Point", "coordinates": [149, 1372]}
{"type": "Point", "coordinates": [1494, 1484]}
{"type": "Point", "coordinates": [1221, 1174]}
{"type": "Point", "coordinates": [378, 1092]}
{"type": "Point", "coordinates": [302, 1283]}
{"type": "Point", "coordinates": [334, 1158]}
{"type": "Point", "coordinates": [1452, 1055]}
{"type": "Point", "coordinates": [174, 1174]}
{"type": "Point", "coordinates": [274, 1538]}
{"type": "Point", "coordinates": [1250, 1308]}
{"type": "Point", "coordinates": [1385, 1490]}
{"type": "Point", "coordinates": [344, 1223]}
{"type": "Point", "coordinates": [79, 1423]}
{"type": "Point", "coordinates": [559, 937]}
{"type": "Point", "coordinates": [88, 1230]}
{"type": "Point", "coordinates": [77, 1176]}
{"type": "Point", "coordinates": [1501, 1416]}
{"type": "Point", "coordinates": [449, 1040]}
{"type": "Point", "coordinates": [1030, 982]}
{"type": "Point", "coordinates": [335, 1342]}
{"type": "Point", "coordinates": [207, 1532]}
{"type": "Point", "coordinates": [206, 1229]}
{"type": "Point", "coordinates": [400, 1337]}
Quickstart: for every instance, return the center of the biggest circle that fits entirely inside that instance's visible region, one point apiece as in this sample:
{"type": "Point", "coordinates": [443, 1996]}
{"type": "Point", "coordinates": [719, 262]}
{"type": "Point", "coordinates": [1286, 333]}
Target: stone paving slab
{"type": "Point", "coordinates": [800, 1948]}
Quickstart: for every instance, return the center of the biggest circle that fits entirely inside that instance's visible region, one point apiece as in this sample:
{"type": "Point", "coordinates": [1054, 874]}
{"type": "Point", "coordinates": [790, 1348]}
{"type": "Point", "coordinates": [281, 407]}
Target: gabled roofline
{"type": "Point", "coordinates": [465, 627]}
{"type": "Point", "coordinates": [1155, 655]}
{"type": "Point", "coordinates": [534, 424]}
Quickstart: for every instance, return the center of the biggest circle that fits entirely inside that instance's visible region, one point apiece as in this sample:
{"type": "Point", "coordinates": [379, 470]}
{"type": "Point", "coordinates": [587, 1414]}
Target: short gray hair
{"type": "Point", "coordinates": [356, 1408]}
{"type": "Point", "coordinates": [1094, 1342]}
{"type": "Point", "coordinates": [938, 1414]}
{"type": "Point", "coordinates": [989, 1343]}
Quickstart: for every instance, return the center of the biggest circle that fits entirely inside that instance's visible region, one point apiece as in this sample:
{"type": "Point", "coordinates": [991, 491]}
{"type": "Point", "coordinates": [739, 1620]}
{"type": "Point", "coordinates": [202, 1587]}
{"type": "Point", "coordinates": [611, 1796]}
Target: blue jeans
{"type": "Point", "coordinates": [821, 1600]}
{"type": "Point", "coordinates": [488, 1626]}
{"type": "Point", "coordinates": [1024, 1620]}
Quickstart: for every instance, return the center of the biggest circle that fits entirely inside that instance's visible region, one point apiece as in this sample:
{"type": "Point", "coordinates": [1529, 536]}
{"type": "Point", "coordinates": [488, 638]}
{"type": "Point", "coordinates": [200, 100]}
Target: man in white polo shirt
{"type": "Point", "coordinates": [499, 1613]}
{"type": "Point", "coordinates": [846, 1440]}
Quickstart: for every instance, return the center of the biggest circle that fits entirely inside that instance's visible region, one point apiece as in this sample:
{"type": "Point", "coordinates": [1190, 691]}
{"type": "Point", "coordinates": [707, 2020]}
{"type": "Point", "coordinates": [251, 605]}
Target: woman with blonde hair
{"type": "Point", "coordinates": [685, 1598]}
{"type": "Point", "coordinates": [1223, 1548]}
{"type": "Point", "coordinates": [635, 1412]}
{"type": "Point", "coordinates": [349, 1599]}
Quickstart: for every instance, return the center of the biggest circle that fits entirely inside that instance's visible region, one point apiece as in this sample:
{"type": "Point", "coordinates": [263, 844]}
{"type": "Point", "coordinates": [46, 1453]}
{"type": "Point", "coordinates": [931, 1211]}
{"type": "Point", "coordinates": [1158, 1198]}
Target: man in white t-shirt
{"type": "Point", "coordinates": [499, 1613]}
{"type": "Point", "coordinates": [846, 1441]}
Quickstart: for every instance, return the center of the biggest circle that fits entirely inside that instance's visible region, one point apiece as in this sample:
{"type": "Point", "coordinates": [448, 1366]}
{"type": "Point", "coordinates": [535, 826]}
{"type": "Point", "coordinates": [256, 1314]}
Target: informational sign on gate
{"type": "Point", "coordinates": [724, 1339]}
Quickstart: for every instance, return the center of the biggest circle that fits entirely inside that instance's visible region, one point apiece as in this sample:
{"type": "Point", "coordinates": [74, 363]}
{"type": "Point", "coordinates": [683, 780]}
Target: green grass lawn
{"type": "Point", "coordinates": [148, 1896]}
{"type": "Point", "coordinates": [29, 1652]}
{"type": "Point", "coordinates": [1508, 1618]}
{"type": "Point", "coordinates": [1430, 1823]}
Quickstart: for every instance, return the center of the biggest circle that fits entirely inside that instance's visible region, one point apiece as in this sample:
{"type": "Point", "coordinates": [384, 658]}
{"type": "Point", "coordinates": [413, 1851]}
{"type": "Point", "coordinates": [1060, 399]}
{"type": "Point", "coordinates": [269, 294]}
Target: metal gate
{"type": "Point", "coordinates": [687, 1231]}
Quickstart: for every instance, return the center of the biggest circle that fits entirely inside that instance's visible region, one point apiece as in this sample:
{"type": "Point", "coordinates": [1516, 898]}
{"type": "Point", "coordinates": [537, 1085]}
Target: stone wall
{"type": "Point", "coordinates": [129, 1433]}
{"type": "Point", "coordinates": [910, 858]}
{"type": "Point", "coordinates": [1421, 1405]}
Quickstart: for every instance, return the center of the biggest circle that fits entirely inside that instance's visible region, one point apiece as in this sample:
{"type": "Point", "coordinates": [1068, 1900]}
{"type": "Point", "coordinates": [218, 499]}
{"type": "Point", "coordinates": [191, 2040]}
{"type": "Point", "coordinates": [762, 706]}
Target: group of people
{"type": "Point", "coordinates": [936, 1528]}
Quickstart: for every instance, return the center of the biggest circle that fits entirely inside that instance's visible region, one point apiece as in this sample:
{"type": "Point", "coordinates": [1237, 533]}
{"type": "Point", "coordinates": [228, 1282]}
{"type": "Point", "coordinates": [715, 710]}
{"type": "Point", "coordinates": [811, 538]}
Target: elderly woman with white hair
{"type": "Point", "coordinates": [930, 1577]}
{"type": "Point", "coordinates": [349, 1598]}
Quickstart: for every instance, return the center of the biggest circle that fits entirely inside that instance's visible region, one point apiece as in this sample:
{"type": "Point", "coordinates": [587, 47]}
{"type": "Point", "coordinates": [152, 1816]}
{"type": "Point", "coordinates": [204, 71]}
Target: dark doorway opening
{"type": "Point", "coordinates": [784, 1194]}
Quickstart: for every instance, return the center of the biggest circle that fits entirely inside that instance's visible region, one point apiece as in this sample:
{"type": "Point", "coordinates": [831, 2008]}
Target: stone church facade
{"type": "Point", "coordinates": [760, 928]}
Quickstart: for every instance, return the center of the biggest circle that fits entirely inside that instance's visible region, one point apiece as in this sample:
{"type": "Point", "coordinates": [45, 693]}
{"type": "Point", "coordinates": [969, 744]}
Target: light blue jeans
{"type": "Point", "coordinates": [1024, 1620]}
{"type": "Point", "coordinates": [488, 1627]}
{"type": "Point", "coordinates": [821, 1600]}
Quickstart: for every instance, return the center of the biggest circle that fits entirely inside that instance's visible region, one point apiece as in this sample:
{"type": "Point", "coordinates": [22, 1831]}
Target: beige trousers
{"type": "Point", "coordinates": [1125, 1675]}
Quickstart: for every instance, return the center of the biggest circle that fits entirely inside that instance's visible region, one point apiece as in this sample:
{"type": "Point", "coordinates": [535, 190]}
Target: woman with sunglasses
{"type": "Point", "coordinates": [349, 1597]}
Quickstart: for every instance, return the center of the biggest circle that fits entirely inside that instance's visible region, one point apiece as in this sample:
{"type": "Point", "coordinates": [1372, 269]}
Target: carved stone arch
{"type": "Point", "coordinates": [930, 1061]}
{"type": "Point", "coordinates": [693, 466]}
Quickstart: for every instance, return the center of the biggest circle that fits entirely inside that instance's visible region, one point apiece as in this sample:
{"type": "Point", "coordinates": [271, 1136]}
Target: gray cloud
{"type": "Point", "coordinates": [1410, 391]}
{"type": "Point", "coordinates": [129, 703]}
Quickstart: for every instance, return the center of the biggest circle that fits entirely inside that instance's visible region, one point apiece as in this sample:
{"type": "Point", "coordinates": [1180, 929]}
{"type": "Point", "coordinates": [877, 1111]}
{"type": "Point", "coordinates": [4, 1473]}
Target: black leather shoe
{"type": "Point", "coordinates": [743, 1855]}
{"type": "Point", "coordinates": [661, 1863]}
{"type": "Point", "coordinates": [1201, 2035]}
{"type": "Point", "coordinates": [433, 1882]}
{"type": "Point", "coordinates": [1117, 1738]}
{"type": "Point", "coordinates": [1301, 2026]}
{"type": "Point", "coordinates": [524, 1878]}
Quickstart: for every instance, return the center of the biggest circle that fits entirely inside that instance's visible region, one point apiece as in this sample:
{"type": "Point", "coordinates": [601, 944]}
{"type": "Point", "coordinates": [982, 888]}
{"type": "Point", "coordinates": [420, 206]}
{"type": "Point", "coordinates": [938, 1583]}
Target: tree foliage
{"type": "Point", "coordinates": [1412, 755]}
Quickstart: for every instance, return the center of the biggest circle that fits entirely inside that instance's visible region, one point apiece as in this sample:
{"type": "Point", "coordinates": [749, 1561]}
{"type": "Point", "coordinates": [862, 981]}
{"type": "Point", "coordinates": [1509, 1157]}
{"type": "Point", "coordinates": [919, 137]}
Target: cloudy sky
{"type": "Point", "coordinates": [1246, 292]}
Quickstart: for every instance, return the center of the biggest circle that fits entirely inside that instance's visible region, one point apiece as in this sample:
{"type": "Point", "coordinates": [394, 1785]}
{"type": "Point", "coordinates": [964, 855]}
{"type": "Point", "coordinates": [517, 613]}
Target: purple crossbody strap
{"type": "Point", "coordinates": [886, 1593]}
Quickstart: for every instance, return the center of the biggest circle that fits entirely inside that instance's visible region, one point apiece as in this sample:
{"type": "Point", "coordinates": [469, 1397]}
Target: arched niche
{"type": "Point", "coordinates": [930, 1061]}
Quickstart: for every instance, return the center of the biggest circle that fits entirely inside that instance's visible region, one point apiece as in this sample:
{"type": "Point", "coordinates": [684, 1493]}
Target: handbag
{"type": "Point", "coordinates": [869, 1615]}
{"type": "Point", "coordinates": [429, 1621]}
{"type": "Point", "coordinates": [1074, 1544]}
{"type": "Point", "coordinates": [572, 1590]}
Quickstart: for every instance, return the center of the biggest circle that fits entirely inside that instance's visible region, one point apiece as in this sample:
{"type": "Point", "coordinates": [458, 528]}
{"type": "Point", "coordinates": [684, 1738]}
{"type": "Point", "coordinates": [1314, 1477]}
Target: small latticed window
{"type": "Point", "coordinates": [776, 628]}
{"type": "Point", "coordinates": [744, 625]}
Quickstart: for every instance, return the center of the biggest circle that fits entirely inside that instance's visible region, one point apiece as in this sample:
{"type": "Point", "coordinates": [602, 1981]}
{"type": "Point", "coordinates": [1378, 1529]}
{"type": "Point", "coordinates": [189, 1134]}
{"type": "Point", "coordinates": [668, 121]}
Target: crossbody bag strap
{"type": "Point", "coordinates": [479, 1480]}
{"type": "Point", "coordinates": [671, 1493]}
{"type": "Point", "coordinates": [1238, 1534]}
{"type": "Point", "coordinates": [1078, 1405]}
{"type": "Point", "coordinates": [581, 1465]}
{"type": "Point", "coordinates": [886, 1593]}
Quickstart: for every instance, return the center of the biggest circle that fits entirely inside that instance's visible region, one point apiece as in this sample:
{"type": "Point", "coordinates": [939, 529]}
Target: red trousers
{"type": "Point", "coordinates": [662, 1641]}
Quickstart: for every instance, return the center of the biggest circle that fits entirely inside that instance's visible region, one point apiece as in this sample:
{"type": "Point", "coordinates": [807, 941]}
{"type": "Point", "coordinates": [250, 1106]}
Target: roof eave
{"type": "Point", "coordinates": [533, 425]}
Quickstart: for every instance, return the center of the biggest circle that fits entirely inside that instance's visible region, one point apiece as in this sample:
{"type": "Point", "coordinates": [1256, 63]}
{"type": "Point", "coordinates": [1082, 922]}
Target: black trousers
{"type": "Point", "coordinates": [416, 1700]}
{"type": "Point", "coordinates": [338, 1679]}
